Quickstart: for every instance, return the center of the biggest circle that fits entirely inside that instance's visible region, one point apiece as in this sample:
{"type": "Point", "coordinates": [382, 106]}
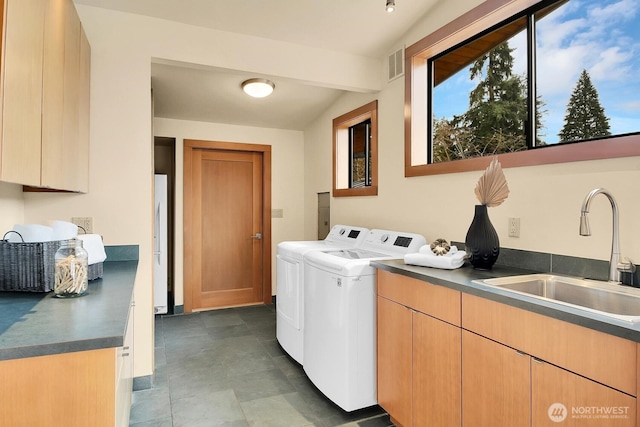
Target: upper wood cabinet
{"type": "Point", "coordinates": [21, 84]}
{"type": "Point", "coordinates": [45, 96]}
{"type": "Point", "coordinates": [53, 93]}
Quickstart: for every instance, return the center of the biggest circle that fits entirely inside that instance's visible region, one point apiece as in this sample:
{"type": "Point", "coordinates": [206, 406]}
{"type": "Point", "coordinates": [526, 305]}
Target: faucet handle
{"type": "Point", "coordinates": [627, 267]}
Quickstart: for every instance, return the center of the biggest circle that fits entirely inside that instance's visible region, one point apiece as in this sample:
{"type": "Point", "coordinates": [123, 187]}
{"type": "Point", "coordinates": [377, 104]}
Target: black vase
{"type": "Point", "coordinates": [482, 244]}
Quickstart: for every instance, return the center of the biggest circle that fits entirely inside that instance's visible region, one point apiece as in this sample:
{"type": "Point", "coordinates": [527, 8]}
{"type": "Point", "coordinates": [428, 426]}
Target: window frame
{"type": "Point", "coordinates": [476, 21]}
{"type": "Point", "coordinates": [341, 127]}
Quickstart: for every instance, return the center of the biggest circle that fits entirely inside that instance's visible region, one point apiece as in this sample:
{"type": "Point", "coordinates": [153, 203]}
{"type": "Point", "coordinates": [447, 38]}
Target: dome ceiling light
{"type": "Point", "coordinates": [258, 88]}
{"type": "Point", "coordinates": [391, 6]}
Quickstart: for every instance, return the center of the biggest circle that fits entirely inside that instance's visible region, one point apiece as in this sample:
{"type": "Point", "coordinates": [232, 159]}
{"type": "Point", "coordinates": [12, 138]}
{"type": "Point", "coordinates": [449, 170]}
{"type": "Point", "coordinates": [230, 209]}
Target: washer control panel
{"type": "Point", "coordinates": [393, 242]}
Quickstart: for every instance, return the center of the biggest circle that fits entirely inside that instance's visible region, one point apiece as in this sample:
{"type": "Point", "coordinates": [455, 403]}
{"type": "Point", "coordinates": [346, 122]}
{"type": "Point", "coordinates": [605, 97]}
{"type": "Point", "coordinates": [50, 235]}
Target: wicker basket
{"type": "Point", "coordinates": [27, 267]}
{"type": "Point", "coordinates": [30, 267]}
{"type": "Point", "coordinates": [95, 271]}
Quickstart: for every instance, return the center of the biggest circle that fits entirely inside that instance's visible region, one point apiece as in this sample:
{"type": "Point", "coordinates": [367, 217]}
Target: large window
{"type": "Point", "coordinates": [548, 83]}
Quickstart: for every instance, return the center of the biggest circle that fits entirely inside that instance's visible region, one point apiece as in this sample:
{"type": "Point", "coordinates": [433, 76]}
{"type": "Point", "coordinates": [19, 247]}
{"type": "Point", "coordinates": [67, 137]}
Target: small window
{"type": "Point", "coordinates": [355, 152]}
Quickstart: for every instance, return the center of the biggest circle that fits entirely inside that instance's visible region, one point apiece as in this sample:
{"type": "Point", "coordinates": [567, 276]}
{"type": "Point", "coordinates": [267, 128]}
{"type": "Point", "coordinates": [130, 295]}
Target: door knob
{"type": "Point", "coordinates": [257, 236]}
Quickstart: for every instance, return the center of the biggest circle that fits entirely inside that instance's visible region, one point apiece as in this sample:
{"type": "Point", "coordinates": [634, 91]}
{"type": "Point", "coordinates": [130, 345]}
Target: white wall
{"type": "Point", "coordinates": [547, 198]}
{"type": "Point", "coordinates": [287, 189]}
{"type": "Point", "coordinates": [120, 199]}
{"type": "Point", "coordinates": [11, 206]}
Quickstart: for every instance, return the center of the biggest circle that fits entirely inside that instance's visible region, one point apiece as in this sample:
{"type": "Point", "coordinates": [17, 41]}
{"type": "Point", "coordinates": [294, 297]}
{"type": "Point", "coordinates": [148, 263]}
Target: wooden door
{"type": "Point", "coordinates": [496, 386]}
{"type": "Point", "coordinates": [225, 263]}
{"type": "Point", "coordinates": [436, 372]}
{"type": "Point", "coordinates": [560, 397]}
{"type": "Point", "coordinates": [394, 367]}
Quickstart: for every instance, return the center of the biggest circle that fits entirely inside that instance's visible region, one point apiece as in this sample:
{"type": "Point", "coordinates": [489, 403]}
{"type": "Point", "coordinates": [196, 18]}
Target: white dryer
{"type": "Point", "coordinates": [290, 280]}
{"type": "Point", "coordinates": [340, 316]}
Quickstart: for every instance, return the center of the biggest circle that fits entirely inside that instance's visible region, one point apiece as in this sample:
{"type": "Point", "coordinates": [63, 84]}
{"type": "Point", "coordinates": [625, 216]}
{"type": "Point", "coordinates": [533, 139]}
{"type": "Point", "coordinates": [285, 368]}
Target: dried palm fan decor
{"type": "Point", "coordinates": [492, 188]}
{"type": "Point", "coordinates": [482, 243]}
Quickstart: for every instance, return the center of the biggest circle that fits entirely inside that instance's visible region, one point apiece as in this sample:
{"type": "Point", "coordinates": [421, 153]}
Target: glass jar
{"type": "Point", "coordinates": [72, 269]}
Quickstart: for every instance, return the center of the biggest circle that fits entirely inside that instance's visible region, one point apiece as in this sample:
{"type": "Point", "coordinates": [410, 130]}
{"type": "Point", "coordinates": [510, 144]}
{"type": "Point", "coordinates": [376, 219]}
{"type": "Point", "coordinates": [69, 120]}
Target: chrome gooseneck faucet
{"type": "Point", "coordinates": [615, 266]}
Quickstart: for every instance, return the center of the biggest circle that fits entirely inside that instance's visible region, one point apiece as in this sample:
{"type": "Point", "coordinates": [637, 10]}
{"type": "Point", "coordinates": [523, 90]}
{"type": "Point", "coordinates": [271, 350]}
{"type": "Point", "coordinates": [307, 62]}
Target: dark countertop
{"type": "Point", "coordinates": [37, 324]}
{"type": "Point", "coordinates": [461, 279]}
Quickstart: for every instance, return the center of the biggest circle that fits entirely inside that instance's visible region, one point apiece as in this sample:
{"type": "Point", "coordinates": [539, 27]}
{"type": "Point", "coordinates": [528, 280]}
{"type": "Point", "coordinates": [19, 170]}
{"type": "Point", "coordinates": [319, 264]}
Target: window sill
{"type": "Point", "coordinates": [621, 146]}
{"type": "Point", "coordinates": [349, 192]}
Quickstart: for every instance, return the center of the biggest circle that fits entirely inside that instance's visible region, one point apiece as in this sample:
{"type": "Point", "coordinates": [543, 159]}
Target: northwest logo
{"type": "Point", "coordinates": [557, 412]}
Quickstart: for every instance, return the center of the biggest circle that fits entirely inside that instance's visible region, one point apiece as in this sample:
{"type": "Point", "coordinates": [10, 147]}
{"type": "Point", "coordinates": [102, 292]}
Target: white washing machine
{"type": "Point", "coordinates": [290, 280]}
{"type": "Point", "coordinates": [340, 316]}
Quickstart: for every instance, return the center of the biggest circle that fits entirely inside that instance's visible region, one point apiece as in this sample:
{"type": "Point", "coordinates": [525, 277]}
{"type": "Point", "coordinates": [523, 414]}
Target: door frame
{"type": "Point", "coordinates": [265, 150]}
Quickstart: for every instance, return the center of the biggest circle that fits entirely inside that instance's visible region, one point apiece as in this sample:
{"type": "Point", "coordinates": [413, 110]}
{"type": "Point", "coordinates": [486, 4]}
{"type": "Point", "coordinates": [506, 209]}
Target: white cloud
{"type": "Point", "coordinates": [623, 10]}
{"type": "Point", "coordinates": [559, 69]}
{"type": "Point", "coordinates": [568, 44]}
{"type": "Point", "coordinates": [613, 64]}
{"type": "Point", "coordinates": [632, 106]}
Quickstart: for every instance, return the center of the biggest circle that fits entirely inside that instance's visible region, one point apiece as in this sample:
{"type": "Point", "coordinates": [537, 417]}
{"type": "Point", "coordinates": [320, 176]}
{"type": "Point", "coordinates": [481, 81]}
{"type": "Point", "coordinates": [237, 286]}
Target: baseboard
{"type": "Point", "coordinates": [143, 383]}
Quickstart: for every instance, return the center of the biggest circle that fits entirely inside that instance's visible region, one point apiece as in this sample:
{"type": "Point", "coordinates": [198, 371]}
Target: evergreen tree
{"type": "Point", "coordinates": [495, 120]}
{"type": "Point", "coordinates": [498, 104]}
{"type": "Point", "coordinates": [585, 117]}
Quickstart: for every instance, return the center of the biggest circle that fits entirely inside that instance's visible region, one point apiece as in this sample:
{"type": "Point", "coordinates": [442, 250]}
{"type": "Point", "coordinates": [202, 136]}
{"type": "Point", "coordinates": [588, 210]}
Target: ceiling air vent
{"type": "Point", "coordinates": [396, 64]}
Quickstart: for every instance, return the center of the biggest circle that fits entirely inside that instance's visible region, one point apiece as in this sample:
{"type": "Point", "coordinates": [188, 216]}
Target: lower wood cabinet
{"type": "Point", "coordinates": [79, 389]}
{"type": "Point", "coordinates": [418, 355]}
{"type": "Point", "coordinates": [505, 387]}
{"type": "Point", "coordinates": [436, 372]}
{"type": "Point", "coordinates": [560, 397]}
{"type": "Point", "coordinates": [496, 386]}
{"type": "Point", "coordinates": [395, 361]}
{"type": "Point", "coordinates": [451, 359]}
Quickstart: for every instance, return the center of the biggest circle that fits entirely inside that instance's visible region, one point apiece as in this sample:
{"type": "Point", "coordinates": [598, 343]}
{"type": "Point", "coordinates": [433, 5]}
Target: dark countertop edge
{"type": "Point", "coordinates": [461, 280]}
{"type": "Point", "coordinates": [114, 271]}
{"type": "Point", "coordinates": [54, 348]}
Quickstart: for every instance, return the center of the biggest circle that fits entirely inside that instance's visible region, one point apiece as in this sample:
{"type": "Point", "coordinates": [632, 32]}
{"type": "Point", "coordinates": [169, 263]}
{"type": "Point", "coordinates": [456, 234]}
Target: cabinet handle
{"type": "Point", "coordinates": [125, 348]}
{"type": "Point", "coordinates": [535, 359]}
{"type": "Point", "coordinates": [125, 354]}
{"type": "Point", "coordinates": [521, 353]}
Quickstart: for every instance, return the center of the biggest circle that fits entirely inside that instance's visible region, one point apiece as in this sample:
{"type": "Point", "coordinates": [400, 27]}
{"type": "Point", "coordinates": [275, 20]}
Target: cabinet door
{"type": "Point", "coordinates": [67, 389]}
{"type": "Point", "coordinates": [53, 94]}
{"type": "Point", "coordinates": [394, 360]}
{"type": "Point", "coordinates": [496, 388]}
{"type": "Point", "coordinates": [71, 150]}
{"type": "Point", "coordinates": [560, 397]}
{"type": "Point", "coordinates": [22, 91]}
{"type": "Point", "coordinates": [436, 372]}
{"type": "Point", "coordinates": [82, 171]}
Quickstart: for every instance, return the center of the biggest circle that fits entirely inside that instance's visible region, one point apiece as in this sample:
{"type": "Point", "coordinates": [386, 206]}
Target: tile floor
{"type": "Point", "coordinates": [225, 368]}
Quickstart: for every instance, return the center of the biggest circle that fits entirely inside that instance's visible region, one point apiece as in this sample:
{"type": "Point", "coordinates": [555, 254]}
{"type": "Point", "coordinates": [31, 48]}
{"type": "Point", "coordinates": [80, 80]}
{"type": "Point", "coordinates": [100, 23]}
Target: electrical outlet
{"type": "Point", "coordinates": [514, 227]}
{"type": "Point", "coordinates": [85, 222]}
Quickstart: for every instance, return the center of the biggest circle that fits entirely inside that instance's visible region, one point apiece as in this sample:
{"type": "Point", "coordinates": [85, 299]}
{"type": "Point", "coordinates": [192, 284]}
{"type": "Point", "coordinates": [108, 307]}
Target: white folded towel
{"type": "Point", "coordinates": [94, 246]}
{"type": "Point", "coordinates": [63, 230]}
{"type": "Point", "coordinates": [426, 258]}
{"type": "Point", "coordinates": [31, 233]}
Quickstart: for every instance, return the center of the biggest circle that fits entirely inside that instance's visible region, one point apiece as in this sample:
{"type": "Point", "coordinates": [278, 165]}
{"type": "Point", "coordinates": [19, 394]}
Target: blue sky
{"type": "Point", "coordinates": [601, 36]}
